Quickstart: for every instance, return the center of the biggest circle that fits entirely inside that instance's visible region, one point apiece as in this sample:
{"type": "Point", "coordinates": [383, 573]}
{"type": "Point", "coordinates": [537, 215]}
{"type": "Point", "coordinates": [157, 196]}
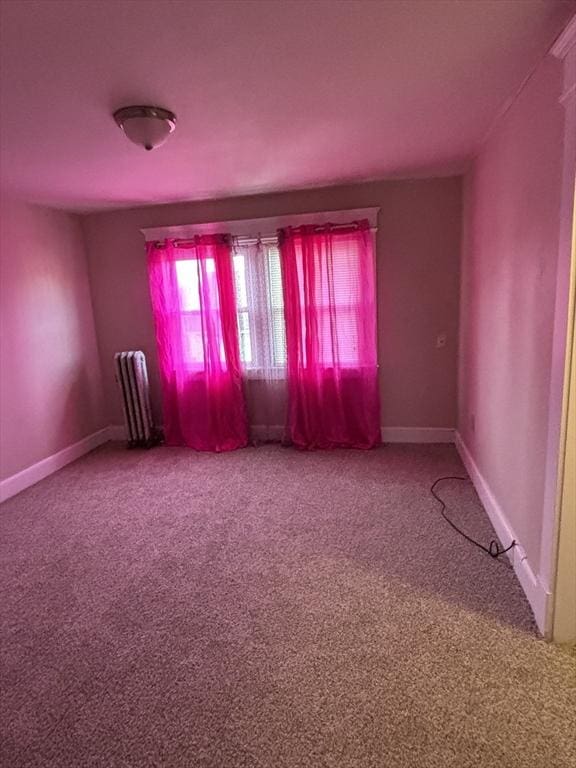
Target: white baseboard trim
{"type": "Point", "coordinates": [389, 434]}
{"type": "Point", "coordinates": [33, 474]}
{"type": "Point", "coordinates": [533, 589]}
{"type": "Point", "coordinates": [417, 435]}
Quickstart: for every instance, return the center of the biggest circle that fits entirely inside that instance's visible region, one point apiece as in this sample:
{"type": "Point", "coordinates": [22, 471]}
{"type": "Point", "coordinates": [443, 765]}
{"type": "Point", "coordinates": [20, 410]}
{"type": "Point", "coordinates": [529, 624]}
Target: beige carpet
{"type": "Point", "coordinates": [272, 609]}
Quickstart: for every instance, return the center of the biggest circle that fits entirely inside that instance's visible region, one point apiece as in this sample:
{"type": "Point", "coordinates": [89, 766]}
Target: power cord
{"type": "Point", "coordinates": [493, 549]}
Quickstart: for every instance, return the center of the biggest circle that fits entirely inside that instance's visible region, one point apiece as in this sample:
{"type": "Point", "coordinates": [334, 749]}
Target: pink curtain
{"type": "Point", "coordinates": [330, 310]}
{"type": "Point", "coordinates": [192, 291]}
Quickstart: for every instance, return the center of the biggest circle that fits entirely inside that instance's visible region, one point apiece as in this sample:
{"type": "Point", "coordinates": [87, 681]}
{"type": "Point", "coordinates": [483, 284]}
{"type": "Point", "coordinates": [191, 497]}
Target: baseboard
{"type": "Point", "coordinates": [533, 589]}
{"type": "Point", "coordinates": [33, 474]}
{"type": "Point", "coordinates": [417, 435]}
{"type": "Point", "coordinates": [389, 434]}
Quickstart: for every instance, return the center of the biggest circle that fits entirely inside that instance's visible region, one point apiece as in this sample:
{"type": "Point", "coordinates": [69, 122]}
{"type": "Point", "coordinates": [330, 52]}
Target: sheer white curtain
{"type": "Point", "coordinates": [261, 327]}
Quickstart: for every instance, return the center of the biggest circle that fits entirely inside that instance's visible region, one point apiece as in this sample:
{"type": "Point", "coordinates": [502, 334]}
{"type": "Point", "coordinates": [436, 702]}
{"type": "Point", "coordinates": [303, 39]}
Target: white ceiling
{"type": "Point", "coordinates": [269, 95]}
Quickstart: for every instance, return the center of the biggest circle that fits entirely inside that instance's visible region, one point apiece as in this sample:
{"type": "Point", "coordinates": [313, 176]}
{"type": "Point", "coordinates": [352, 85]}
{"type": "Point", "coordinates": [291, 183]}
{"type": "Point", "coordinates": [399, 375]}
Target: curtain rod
{"type": "Point", "coordinates": [266, 237]}
{"type": "Point", "coordinates": [268, 225]}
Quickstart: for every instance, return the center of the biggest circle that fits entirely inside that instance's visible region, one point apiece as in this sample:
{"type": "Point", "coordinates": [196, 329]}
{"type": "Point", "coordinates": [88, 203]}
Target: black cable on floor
{"type": "Point", "coordinates": [493, 549]}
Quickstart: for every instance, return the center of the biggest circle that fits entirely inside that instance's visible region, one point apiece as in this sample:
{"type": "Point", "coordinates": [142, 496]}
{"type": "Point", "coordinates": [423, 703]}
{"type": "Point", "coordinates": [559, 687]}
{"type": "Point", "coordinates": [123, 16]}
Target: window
{"type": "Point", "coordinates": [260, 307]}
{"type": "Point", "coordinates": [187, 276]}
{"type": "Point", "coordinates": [339, 298]}
{"type": "Point", "coordinates": [336, 295]}
{"type": "Point", "coordinates": [333, 295]}
{"type": "Point", "coordinates": [241, 285]}
{"type": "Point", "coordinates": [276, 304]}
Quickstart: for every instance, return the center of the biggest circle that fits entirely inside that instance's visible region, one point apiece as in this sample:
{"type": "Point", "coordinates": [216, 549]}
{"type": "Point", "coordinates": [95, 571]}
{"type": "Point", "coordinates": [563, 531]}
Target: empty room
{"type": "Point", "coordinates": [287, 384]}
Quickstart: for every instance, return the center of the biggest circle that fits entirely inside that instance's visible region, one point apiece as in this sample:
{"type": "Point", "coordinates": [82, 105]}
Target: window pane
{"type": "Point", "coordinates": [242, 308]}
{"type": "Point", "coordinates": [192, 336]}
{"type": "Point", "coordinates": [260, 312]}
{"type": "Point", "coordinates": [240, 280]}
{"type": "Point", "coordinates": [244, 337]}
{"type": "Point", "coordinates": [276, 308]}
{"type": "Point", "coordinates": [275, 277]}
{"type": "Point", "coordinates": [196, 348]}
{"type": "Point", "coordinates": [278, 339]}
{"type": "Point", "coordinates": [340, 287]}
{"type": "Point", "coordinates": [187, 277]}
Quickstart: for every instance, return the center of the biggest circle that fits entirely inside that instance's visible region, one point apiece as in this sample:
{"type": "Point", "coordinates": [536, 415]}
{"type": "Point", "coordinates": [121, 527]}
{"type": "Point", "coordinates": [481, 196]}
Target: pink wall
{"type": "Point", "coordinates": [418, 279]}
{"type": "Point", "coordinates": [50, 384]}
{"type": "Point", "coordinates": [512, 203]}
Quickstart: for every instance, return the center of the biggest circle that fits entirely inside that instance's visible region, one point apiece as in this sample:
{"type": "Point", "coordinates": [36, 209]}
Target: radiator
{"type": "Point", "coordinates": [132, 378]}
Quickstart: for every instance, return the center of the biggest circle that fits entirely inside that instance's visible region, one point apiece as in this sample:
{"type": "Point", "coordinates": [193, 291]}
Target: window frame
{"type": "Point", "coordinates": [262, 338]}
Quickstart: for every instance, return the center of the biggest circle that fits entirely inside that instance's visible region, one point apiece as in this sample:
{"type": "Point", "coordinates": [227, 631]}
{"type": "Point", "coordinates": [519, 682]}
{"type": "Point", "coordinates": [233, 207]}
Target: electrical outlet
{"type": "Point", "coordinates": [440, 340]}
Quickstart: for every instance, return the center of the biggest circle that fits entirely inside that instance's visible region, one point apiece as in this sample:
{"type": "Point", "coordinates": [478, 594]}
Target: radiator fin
{"type": "Point", "coordinates": [132, 378]}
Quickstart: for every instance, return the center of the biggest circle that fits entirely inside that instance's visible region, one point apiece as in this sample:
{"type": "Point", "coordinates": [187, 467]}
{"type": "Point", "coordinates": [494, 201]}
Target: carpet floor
{"type": "Point", "coordinates": [268, 609]}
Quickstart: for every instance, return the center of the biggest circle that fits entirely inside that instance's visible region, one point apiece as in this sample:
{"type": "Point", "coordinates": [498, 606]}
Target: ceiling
{"type": "Point", "coordinates": [269, 95]}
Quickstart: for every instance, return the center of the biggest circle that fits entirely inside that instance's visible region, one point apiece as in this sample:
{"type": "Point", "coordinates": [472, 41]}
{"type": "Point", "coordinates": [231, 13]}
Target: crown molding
{"type": "Point", "coordinates": [565, 41]}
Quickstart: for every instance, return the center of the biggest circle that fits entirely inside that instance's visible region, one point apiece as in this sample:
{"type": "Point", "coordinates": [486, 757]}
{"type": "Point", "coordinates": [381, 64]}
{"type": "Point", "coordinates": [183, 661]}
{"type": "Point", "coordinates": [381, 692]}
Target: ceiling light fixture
{"type": "Point", "coordinates": [149, 127]}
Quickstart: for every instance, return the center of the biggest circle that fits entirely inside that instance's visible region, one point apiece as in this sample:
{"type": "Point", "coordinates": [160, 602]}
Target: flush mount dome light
{"type": "Point", "coordinates": [148, 127]}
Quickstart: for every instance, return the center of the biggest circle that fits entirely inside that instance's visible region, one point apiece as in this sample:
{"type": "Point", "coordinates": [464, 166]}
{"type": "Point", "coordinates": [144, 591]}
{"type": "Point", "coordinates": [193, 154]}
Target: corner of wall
{"type": "Point", "coordinates": [526, 572]}
{"type": "Point", "coordinates": [465, 245]}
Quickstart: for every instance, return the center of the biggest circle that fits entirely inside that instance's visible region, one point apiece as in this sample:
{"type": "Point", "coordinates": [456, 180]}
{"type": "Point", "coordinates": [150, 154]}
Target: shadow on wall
{"type": "Point", "coordinates": [81, 404]}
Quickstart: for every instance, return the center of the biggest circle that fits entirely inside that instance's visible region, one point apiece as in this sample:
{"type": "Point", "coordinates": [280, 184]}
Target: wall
{"type": "Point", "coordinates": [512, 204]}
{"type": "Point", "coordinates": [418, 251]}
{"type": "Point", "coordinates": [50, 383]}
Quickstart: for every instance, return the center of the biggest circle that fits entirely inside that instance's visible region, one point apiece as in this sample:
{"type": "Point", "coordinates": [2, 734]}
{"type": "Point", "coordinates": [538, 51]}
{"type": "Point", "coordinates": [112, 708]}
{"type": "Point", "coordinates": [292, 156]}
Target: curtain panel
{"type": "Point", "coordinates": [328, 276]}
{"type": "Point", "coordinates": [194, 306]}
